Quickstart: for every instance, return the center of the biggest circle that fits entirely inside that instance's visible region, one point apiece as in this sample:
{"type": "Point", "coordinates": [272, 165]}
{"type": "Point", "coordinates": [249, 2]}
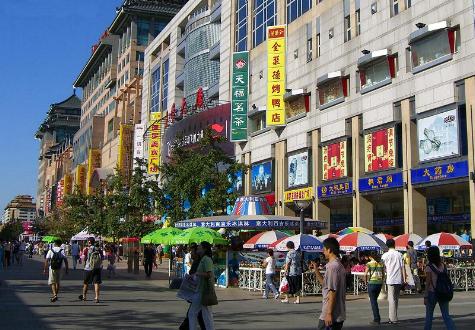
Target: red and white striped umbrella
{"type": "Point", "coordinates": [445, 241]}
{"type": "Point", "coordinates": [360, 241]}
{"type": "Point", "coordinates": [401, 240]}
{"type": "Point", "coordinates": [264, 239]}
{"type": "Point", "coordinates": [384, 237]}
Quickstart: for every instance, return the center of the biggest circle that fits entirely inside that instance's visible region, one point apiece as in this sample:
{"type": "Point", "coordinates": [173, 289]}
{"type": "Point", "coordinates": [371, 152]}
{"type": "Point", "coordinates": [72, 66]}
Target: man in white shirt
{"type": "Point", "coordinates": [395, 278]}
{"type": "Point", "coordinates": [54, 259]}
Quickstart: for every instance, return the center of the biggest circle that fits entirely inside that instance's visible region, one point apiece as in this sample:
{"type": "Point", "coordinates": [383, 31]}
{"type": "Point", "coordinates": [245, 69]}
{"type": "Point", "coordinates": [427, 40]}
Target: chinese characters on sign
{"type": "Point", "coordinates": [138, 142]}
{"type": "Point", "coordinates": [239, 97]}
{"type": "Point", "coordinates": [275, 113]}
{"type": "Point", "coordinates": [380, 150]}
{"type": "Point", "coordinates": [337, 189]}
{"type": "Point", "coordinates": [334, 161]}
{"type": "Point", "coordinates": [440, 172]}
{"type": "Point", "coordinates": [381, 182]}
{"type": "Point", "coordinates": [269, 224]}
{"type": "Point", "coordinates": [304, 193]}
{"type": "Point", "coordinates": [81, 178]}
{"type": "Point", "coordinates": [154, 142]}
{"type": "Point", "coordinates": [60, 193]}
{"type": "Point", "coordinates": [94, 161]}
{"type": "Point", "coordinates": [125, 145]}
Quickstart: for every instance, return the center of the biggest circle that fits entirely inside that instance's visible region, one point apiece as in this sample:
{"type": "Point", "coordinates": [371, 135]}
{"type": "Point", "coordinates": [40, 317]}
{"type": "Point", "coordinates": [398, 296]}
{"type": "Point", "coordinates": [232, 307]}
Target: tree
{"type": "Point", "coordinates": [11, 230]}
{"type": "Point", "coordinates": [202, 176]}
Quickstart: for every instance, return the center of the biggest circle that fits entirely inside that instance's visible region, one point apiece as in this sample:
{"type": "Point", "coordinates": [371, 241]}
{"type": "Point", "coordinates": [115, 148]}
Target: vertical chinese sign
{"type": "Point", "coordinates": [124, 160]}
{"type": "Point", "coordinates": [94, 161]}
{"type": "Point", "coordinates": [275, 114]}
{"type": "Point", "coordinates": [334, 161]}
{"type": "Point", "coordinates": [154, 143]}
{"type": "Point", "coordinates": [138, 142]}
{"type": "Point", "coordinates": [380, 150]}
{"type": "Point", "coordinates": [81, 178]}
{"type": "Point", "coordinates": [239, 98]}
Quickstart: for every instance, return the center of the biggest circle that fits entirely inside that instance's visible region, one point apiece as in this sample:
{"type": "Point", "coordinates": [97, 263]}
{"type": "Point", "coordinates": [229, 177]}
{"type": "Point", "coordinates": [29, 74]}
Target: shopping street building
{"type": "Point", "coordinates": [363, 107]}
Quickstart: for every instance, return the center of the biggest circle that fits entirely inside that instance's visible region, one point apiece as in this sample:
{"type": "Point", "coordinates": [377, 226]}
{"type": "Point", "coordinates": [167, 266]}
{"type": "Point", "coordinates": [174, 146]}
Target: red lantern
{"type": "Point", "coordinates": [172, 113]}
{"type": "Point", "coordinates": [183, 107]}
{"type": "Point", "coordinates": [199, 98]}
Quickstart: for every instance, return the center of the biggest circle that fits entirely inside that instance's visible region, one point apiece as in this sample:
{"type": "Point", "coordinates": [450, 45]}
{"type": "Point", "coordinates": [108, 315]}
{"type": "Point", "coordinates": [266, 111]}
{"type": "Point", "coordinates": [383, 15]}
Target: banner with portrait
{"type": "Point", "coordinates": [261, 177]}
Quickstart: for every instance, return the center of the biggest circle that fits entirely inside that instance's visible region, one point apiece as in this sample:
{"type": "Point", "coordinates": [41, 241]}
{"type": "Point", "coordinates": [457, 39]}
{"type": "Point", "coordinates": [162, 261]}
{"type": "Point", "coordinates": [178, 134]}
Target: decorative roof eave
{"type": "Point", "coordinates": [98, 55]}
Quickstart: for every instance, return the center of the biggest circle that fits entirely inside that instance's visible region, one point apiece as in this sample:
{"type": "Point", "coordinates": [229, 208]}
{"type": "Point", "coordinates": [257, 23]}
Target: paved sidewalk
{"type": "Point", "coordinates": [129, 301]}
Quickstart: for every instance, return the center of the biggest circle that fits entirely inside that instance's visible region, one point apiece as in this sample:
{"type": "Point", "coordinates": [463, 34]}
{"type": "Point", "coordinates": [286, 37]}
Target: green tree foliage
{"type": "Point", "coordinates": [202, 176]}
{"type": "Point", "coordinates": [11, 230]}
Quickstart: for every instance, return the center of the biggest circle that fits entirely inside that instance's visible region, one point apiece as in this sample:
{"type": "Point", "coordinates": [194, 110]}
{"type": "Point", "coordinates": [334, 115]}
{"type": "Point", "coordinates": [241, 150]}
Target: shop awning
{"type": "Point", "coordinates": [264, 222]}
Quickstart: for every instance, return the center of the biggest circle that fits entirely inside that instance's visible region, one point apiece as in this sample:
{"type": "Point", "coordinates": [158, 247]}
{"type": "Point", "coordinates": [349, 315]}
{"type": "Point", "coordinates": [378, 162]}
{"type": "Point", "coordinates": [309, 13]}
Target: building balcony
{"type": "Point", "coordinates": [213, 90]}
{"type": "Point", "coordinates": [180, 80]}
{"type": "Point", "coordinates": [216, 12]}
{"type": "Point", "coordinates": [180, 48]}
{"type": "Point", "coordinates": [214, 52]}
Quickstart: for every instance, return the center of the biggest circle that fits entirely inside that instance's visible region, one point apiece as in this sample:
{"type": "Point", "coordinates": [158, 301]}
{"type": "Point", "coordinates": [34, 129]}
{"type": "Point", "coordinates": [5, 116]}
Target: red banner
{"type": "Point", "coordinates": [334, 158]}
{"type": "Point", "coordinates": [380, 150]}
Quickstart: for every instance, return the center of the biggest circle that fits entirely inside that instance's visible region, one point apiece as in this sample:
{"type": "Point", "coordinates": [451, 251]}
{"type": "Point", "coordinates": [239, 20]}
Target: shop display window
{"type": "Point", "coordinates": [432, 50]}
{"type": "Point", "coordinates": [376, 73]}
{"type": "Point", "coordinates": [332, 92]}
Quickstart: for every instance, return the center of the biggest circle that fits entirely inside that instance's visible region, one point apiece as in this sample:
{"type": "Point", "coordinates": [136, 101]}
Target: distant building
{"type": "Point", "coordinates": [55, 134]}
{"type": "Point", "coordinates": [20, 208]}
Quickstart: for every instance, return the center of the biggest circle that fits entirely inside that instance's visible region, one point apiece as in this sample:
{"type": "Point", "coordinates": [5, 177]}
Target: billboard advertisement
{"type": "Point", "coordinates": [124, 161]}
{"type": "Point", "coordinates": [438, 136]}
{"type": "Point", "coordinates": [275, 112]}
{"type": "Point", "coordinates": [261, 176]}
{"type": "Point", "coordinates": [380, 150]}
{"type": "Point", "coordinates": [139, 131]}
{"type": "Point", "coordinates": [239, 97]}
{"type": "Point", "coordinates": [334, 159]}
{"type": "Point", "coordinates": [297, 173]}
{"type": "Point", "coordinates": [94, 161]}
{"type": "Point", "coordinates": [154, 143]}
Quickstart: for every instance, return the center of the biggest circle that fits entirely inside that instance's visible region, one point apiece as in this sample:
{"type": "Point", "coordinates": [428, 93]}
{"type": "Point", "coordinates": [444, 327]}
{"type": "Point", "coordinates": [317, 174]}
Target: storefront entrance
{"type": "Point", "coordinates": [388, 212]}
{"type": "Point", "coordinates": [341, 213]}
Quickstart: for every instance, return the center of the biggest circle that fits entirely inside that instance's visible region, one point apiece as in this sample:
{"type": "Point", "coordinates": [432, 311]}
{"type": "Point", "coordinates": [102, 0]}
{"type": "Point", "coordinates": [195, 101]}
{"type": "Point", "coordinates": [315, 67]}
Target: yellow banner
{"type": "Point", "coordinates": [81, 178]}
{"type": "Point", "coordinates": [303, 193]}
{"type": "Point", "coordinates": [124, 161]}
{"type": "Point", "coordinates": [94, 161]}
{"type": "Point", "coordinates": [275, 114]}
{"type": "Point", "coordinates": [68, 184]}
{"type": "Point", "coordinates": [154, 142]}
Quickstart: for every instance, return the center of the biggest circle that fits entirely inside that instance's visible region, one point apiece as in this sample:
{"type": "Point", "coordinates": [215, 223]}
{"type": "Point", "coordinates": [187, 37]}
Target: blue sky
{"type": "Point", "coordinates": [45, 44]}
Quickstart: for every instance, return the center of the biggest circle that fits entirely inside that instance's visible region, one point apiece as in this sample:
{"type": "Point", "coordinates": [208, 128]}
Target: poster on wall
{"type": "Point", "coordinates": [334, 158]}
{"type": "Point", "coordinates": [438, 136]}
{"type": "Point", "coordinates": [275, 113]}
{"type": "Point", "coordinates": [262, 177]}
{"type": "Point", "coordinates": [298, 169]}
{"type": "Point", "coordinates": [380, 150]}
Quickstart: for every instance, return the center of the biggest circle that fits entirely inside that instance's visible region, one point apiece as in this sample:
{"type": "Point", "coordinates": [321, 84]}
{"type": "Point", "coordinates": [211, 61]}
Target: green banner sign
{"type": "Point", "coordinates": [239, 97]}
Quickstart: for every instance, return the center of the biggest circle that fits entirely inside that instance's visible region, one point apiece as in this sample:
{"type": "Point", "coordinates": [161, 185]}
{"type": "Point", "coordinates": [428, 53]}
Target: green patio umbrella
{"type": "Point", "coordinates": [49, 238]}
{"type": "Point", "coordinates": [198, 235]}
{"type": "Point", "coordinates": [165, 235]}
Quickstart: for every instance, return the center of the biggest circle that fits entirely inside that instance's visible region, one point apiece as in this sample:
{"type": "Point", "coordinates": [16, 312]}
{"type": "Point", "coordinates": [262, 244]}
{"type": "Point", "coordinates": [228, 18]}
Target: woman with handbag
{"type": "Point", "coordinates": [206, 296]}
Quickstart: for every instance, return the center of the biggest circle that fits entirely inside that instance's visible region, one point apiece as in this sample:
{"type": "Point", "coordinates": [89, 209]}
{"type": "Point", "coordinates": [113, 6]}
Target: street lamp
{"type": "Point", "coordinates": [302, 205]}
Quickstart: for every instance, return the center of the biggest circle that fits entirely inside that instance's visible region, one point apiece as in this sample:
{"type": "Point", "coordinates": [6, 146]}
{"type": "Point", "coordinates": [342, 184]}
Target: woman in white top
{"type": "Point", "coordinates": [269, 263]}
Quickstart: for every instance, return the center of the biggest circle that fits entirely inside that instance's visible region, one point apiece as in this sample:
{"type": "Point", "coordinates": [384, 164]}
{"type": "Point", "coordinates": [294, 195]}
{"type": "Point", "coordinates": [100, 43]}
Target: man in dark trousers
{"type": "Point", "coordinates": [148, 259]}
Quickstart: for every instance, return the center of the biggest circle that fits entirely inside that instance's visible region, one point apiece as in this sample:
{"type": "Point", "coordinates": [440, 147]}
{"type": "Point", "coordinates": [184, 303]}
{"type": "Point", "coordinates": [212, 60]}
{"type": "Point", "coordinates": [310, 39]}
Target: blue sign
{"type": "Point", "coordinates": [379, 182]}
{"type": "Point", "coordinates": [261, 176]}
{"type": "Point", "coordinates": [335, 189]}
{"type": "Point", "coordinates": [440, 172]}
{"type": "Point", "coordinates": [259, 224]}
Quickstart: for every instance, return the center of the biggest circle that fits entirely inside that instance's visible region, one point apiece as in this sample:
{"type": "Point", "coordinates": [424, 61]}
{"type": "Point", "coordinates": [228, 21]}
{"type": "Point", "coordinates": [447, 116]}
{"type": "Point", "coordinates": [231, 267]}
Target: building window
{"type": "Point", "coordinates": [296, 8]}
{"type": "Point", "coordinates": [157, 28]}
{"type": "Point", "coordinates": [257, 122]}
{"type": "Point", "coordinates": [347, 28]}
{"type": "Point", "coordinates": [309, 42]}
{"type": "Point", "coordinates": [165, 85]}
{"type": "Point", "coordinates": [241, 25]}
{"type": "Point", "coordinates": [318, 46]}
{"type": "Point", "coordinates": [358, 22]}
{"type": "Point", "coordinates": [155, 91]}
{"type": "Point", "coordinates": [377, 72]}
{"type": "Point", "coordinates": [332, 89]}
{"type": "Point", "coordinates": [139, 56]}
{"type": "Point", "coordinates": [394, 7]}
{"type": "Point", "coordinates": [264, 13]}
{"type": "Point", "coordinates": [110, 130]}
{"type": "Point", "coordinates": [433, 49]}
{"type": "Point", "coordinates": [143, 28]}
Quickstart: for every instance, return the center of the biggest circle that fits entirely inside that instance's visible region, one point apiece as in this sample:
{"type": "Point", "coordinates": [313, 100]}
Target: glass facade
{"type": "Point", "coordinates": [430, 49]}
{"type": "Point", "coordinates": [376, 72]}
{"type": "Point", "coordinates": [296, 8]}
{"type": "Point", "coordinates": [155, 91]}
{"type": "Point", "coordinates": [241, 25]}
{"type": "Point", "coordinates": [143, 28]}
{"type": "Point", "coordinates": [199, 70]}
{"type": "Point", "coordinates": [265, 14]}
{"type": "Point", "coordinates": [165, 85]}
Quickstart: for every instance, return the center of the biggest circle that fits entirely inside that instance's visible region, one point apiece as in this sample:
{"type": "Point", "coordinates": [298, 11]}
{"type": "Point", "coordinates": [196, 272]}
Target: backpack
{"type": "Point", "coordinates": [95, 259]}
{"type": "Point", "coordinates": [56, 260]}
{"type": "Point", "coordinates": [444, 289]}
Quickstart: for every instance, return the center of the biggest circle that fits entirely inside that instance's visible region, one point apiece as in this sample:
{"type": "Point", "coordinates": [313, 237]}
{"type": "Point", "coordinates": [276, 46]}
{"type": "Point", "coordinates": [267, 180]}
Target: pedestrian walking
{"type": "Point", "coordinates": [187, 261]}
{"type": "Point", "coordinates": [411, 259]}
{"type": "Point", "coordinates": [439, 289]}
{"type": "Point", "coordinates": [160, 253]}
{"type": "Point", "coordinates": [92, 269]}
{"type": "Point", "coordinates": [16, 250]}
{"type": "Point", "coordinates": [8, 249]}
{"type": "Point", "coordinates": [148, 259]}
{"type": "Point", "coordinates": [269, 264]}
{"type": "Point", "coordinates": [293, 271]}
{"type": "Point", "coordinates": [75, 252]}
{"type": "Point", "coordinates": [206, 296]}
{"type": "Point", "coordinates": [374, 276]}
{"type": "Point", "coordinates": [21, 252]}
{"type": "Point", "coordinates": [395, 278]}
{"type": "Point", "coordinates": [54, 261]}
{"type": "Point", "coordinates": [333, 288]}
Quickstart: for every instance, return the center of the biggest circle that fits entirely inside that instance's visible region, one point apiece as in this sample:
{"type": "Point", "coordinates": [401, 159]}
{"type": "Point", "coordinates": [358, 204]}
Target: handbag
{"type": "Point", "coordinates": [188, 288]}
{"type": "Point", "coordinates": [284, 286]}
{"type": "Point", "coordinates": [209, 297]}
